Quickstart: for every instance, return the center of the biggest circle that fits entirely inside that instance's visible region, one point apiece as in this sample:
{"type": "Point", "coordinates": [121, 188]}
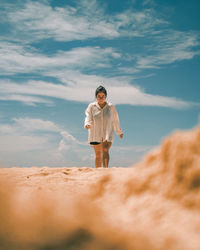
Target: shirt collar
{"type": "Point", "coordinates": [99, 106]}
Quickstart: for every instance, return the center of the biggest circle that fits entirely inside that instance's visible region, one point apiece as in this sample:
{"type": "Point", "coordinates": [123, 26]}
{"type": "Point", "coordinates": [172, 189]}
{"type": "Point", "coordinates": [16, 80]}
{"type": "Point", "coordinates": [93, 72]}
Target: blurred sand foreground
{"type": "Point", "coordinates": [154, 205]}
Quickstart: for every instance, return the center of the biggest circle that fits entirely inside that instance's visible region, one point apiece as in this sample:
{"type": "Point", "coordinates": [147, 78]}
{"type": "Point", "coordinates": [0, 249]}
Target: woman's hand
{"type": "Point", "coordinates": [121, 136]}
{"type": "Point", "coordinates": [87, 126]}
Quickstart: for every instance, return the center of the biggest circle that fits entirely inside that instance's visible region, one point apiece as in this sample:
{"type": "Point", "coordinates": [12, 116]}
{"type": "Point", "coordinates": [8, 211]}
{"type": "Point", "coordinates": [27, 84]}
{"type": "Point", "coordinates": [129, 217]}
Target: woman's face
{"type": "Point", "coordinates": [101, 98]}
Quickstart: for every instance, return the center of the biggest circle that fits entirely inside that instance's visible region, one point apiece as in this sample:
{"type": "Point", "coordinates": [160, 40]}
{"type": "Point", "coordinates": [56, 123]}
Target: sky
{"type": "Point", "coordinates": [53, 56]}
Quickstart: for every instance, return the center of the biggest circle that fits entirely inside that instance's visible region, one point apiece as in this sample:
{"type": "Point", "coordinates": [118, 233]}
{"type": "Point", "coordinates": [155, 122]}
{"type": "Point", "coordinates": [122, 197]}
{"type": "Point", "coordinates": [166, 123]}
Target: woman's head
{"type": "Point", "coordinates": [101, 94]}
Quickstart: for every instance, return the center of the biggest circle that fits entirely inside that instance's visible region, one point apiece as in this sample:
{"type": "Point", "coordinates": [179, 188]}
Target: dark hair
{"type": "Point", "coordinates": [100, 89]}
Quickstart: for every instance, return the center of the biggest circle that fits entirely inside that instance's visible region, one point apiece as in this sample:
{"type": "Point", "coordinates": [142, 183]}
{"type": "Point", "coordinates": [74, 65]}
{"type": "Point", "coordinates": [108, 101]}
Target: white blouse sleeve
{"type": "Point", "coordinates": [88, 118]}
{"type": "Point", "coordinates": [116, 123]}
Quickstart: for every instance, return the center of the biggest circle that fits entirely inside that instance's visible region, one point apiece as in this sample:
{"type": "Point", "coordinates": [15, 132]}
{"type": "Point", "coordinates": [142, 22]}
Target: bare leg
{"type": "Point", "coordinates": [98, 153]}
{"type": "Point", "coordinates": [106, 146]}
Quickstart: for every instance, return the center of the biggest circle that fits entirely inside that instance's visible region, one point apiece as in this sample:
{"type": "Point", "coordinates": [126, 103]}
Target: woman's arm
{"type": "Point", "coordinates": [88, 119]}
{"type": "Point", "coordinates": [116, 122]}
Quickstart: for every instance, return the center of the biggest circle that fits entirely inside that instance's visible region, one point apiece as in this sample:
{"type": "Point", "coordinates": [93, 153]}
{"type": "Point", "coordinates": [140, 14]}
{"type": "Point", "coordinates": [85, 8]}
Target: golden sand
{"type": "Point", "coordinates": [152, 205]}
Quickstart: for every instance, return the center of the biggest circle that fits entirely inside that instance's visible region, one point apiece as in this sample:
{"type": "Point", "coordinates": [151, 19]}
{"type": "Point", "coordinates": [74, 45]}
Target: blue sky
{"type": "Point", "coordinates": [54, 54]}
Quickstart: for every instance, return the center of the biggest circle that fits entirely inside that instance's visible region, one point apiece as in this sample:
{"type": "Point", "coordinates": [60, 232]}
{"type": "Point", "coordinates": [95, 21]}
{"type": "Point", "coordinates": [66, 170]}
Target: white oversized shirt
{"type": "Point", "coordinates": [103, 122]}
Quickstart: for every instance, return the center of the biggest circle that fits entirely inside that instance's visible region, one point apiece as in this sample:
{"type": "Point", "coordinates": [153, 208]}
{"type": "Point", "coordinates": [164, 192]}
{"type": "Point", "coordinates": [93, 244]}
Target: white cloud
{"type": "Point", "coordinates": [35, 21]}
{"type": "Point", "coordinates": [22, 143]}
{"type": "Point", "coordinates": [134, 96]}
{"type": "Point", "coordinates": [19, 135]}
{"type": "Point", "coordinates": [88, 19]}
{"type": "Point", "coordinates": [25, 126]}
{"type": "Point", "coordinates": [142, 23]}
{"type": "Point", "coordinates": [25, 59]}
{"type": "Point", "coordinates": [6, 129]}
{"type": "Point", "coordinates": [82, 90]}
{"type": "Point", "coordinates": [69, 144]}
{"type": "Point", "coordinates": [39, 20]}
{"type": "Point", "coordinates": [129, 70]}
{"type": "Point", "coordinates": [26, 134]}
{"type": "Point", "coordinates": [30, 124]}
{"type": "Point", "coordinates": [166, 46]}
{"type": "Point", "coordinates": [169, 47]}
{"type": "Point", "coordinates": [39, 142]}
{"type": "Point", "coordinates": [28, 100]}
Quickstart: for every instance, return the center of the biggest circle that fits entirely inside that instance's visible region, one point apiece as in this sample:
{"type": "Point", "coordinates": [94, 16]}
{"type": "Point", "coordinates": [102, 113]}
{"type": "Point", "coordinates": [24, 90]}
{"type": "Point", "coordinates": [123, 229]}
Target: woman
{"type": "Point", "coordinates": [101, 120]}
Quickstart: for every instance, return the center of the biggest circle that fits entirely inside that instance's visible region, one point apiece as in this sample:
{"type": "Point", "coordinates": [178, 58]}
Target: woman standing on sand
{"type": "Point", "coordinates": [101, 120]}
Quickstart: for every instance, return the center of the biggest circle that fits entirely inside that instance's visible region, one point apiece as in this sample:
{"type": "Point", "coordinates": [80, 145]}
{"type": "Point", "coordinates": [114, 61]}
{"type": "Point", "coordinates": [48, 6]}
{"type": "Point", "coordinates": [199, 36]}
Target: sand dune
{"type": "Point", "coordinates": [152, 205]}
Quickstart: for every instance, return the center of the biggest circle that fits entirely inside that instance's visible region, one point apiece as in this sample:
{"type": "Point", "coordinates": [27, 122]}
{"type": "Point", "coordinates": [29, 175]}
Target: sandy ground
{"type": "Point", "coordinates": [152, 205]}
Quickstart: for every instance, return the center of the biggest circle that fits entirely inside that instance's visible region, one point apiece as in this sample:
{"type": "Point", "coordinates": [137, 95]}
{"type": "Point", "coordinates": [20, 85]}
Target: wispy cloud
{"type": "Point", "coordinates": [35, 125]}
{"type": "Point", "coordinates": [28, 100]}
{"type": "Point", "coordinates": [16, 137]}
{"type": "Point", "coordinates": [27, 139]}
{"type": "Point", "coordinates": [81, 92]}
{"type": "Point", "coordinates": [15, 58]}
{"type": "Point", "coordinates": [27, 134]}
{"type": "Point", "coordinates": [88, 19]}
{"type": "Point", "coordinates": [32, 21]}
{"type": "Point", "coordinates": [30, 124]}
{"type": "Point", "coordinates": [38, 20]}
{"type": "Point", "coordinates": [169, 47]}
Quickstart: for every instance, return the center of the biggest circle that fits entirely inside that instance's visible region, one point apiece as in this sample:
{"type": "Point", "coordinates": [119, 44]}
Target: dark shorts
{"type": "Point", "coordinates": [94, 143]}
